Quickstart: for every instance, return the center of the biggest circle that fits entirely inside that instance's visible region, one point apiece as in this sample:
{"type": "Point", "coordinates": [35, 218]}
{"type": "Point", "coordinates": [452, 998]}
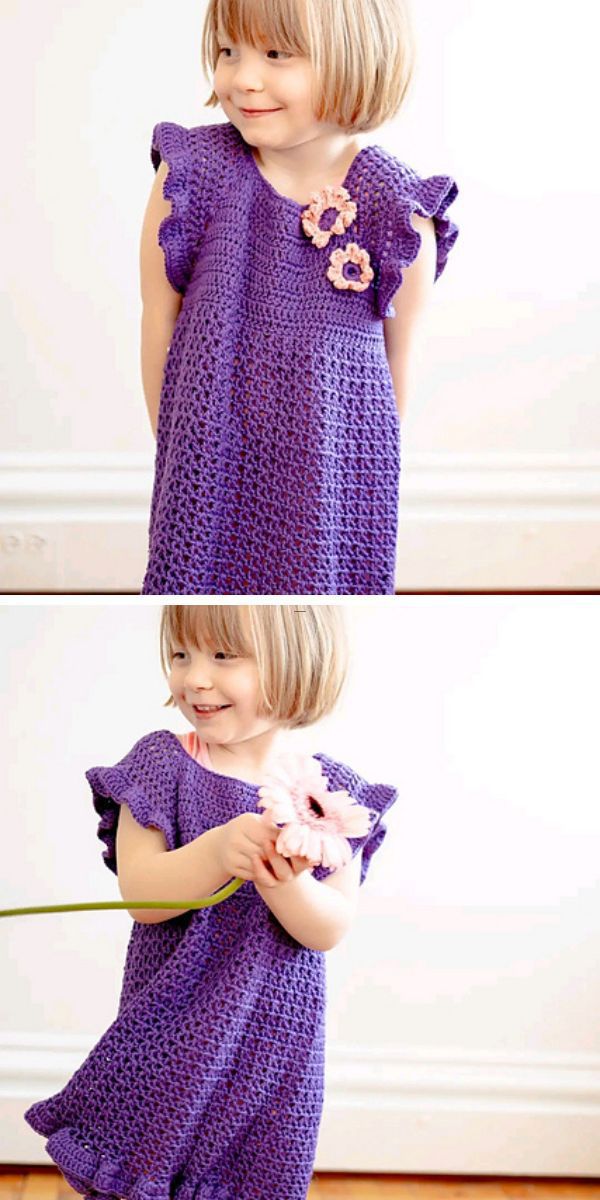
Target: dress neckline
{"type": "Point", "coordinates": [294, 204]}
{"type": "Point", "coordinates": [250, 787]}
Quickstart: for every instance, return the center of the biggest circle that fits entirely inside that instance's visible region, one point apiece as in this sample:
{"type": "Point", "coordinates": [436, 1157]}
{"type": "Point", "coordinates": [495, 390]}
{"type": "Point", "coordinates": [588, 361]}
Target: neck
{"type": "Point", "coordinates": [250, 757]}
{"type": "Point", "coordinates": [327, 154]}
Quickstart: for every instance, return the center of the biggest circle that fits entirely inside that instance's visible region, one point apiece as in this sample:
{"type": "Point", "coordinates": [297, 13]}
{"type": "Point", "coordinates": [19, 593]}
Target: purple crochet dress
{"type": "Point", "coordinates": [278, 442]}
{"type": "Point", "coordinates": [208, 1085]}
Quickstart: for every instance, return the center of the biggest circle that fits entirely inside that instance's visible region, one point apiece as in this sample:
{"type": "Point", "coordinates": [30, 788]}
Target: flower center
{"type": "Point", "coordinates": [315, 807]}
{"type": "Point", "coordinates": [328, 218]}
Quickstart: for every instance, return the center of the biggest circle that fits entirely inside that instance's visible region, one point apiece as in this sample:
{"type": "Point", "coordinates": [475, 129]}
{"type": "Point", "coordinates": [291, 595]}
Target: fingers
{"type": "Point", "coordinates": [260, 873]}
{"type": "Point", "coordinates": [264, 839]}
{"type": "Point", "coordinates": [271, 864]}
{"type": "Point", "coordinates": [265, 865]}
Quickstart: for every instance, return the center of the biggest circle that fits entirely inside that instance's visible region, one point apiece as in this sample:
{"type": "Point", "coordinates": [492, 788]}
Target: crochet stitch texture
{"type": "Point", "coordinates": [209, 1083]}
{"type": "Point", "coordinates": [277, 459]}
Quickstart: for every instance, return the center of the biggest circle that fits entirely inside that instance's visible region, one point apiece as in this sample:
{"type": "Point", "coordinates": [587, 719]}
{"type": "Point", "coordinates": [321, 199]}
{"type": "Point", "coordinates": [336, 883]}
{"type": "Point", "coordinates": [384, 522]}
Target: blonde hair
{"type": "Point", "coordinates": [362, 51]}
{"type": "Point", "coordinates": [301, 651]}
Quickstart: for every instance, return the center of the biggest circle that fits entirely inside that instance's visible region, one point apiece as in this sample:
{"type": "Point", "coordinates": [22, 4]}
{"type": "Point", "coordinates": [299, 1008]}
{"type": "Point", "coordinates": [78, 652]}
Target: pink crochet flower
{"type": "Point", "coordinates": [295, 794]}
{"type": "Point", "coordinates": [350, 268]}
{"type": "Point", "coordinates": [328, 197]}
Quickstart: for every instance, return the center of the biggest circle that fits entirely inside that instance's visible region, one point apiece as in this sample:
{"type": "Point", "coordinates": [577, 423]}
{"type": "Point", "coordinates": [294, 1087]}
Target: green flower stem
{"type": "Point", "coordinates": [205, 902]}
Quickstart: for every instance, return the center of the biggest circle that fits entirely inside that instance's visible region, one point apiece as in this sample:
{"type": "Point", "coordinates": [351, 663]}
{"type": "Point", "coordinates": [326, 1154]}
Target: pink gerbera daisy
{"type": "Point", "coordinates": [314, 820]}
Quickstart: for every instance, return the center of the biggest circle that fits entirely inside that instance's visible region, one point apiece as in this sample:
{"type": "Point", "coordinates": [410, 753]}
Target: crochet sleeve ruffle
{"type": "Point", "coordinates": [146, 780]}
{"type": "Point", "coordinates": [378, 798]}
{"type": "Point", "coordinates": [176, 234]}
{"type": "Point", "coordinates": [430, 197]}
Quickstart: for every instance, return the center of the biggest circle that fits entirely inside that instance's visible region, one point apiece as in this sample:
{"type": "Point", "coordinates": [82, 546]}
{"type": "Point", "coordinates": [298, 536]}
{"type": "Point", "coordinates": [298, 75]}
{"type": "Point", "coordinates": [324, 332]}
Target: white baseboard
{"type": "Point", "coordinates": [402, 1109]}
{"type": "Point", "coordinates": [78, 522]}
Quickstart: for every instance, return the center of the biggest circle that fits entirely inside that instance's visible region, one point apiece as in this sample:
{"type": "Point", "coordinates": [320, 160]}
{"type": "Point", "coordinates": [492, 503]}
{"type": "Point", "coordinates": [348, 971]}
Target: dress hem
{"type": "Point", "coordinates": [96, 1176]}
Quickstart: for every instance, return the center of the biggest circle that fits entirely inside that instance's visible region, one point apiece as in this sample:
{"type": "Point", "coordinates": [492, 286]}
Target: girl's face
{"type": "Point", "coordinates": [218, 693]}
{"type": "Point", "coordinates": [266, 78]}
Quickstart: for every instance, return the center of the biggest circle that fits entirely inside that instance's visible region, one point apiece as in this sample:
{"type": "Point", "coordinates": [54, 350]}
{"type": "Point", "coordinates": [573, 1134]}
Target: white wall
{"type": "Point", "coordinates": [501, 446]}
{"type": "Point", "coordinates": [462, 1022]}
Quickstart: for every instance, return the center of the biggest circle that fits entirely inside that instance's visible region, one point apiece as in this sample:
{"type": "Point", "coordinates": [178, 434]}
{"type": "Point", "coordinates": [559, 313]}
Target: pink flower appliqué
{"type": "Point", "coordinates": [350, 268]}
{"type": "Point", "coordinates": [315, 820]}
{"type": "Point", "coordinates": [328, 197]}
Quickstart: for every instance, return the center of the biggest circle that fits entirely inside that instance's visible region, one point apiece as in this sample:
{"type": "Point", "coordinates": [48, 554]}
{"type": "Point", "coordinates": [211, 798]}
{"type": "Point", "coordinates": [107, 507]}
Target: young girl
{"type": "Point", "coordinates": [273, 250]}
{"type": "Point", "coordinates": [209, 1083]}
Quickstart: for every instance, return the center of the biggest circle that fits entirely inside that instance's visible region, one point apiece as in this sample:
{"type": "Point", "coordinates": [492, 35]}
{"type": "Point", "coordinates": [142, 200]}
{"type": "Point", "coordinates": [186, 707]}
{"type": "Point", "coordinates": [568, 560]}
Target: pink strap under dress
{"type": "Point", "coordinates": [198, 750]}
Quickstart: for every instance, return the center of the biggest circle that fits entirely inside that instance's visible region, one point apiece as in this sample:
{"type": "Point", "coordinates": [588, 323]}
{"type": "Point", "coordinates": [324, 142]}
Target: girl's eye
{"type": "Point", "coordinates": [227, 50]}
{"type": "Point", "coordinates": [219, 654]}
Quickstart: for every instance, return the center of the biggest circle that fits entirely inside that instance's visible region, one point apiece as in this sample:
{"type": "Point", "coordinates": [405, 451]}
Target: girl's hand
{"type": "Point", "coordinates": [272, 869]}
{"type": "Point", "coordinates": [242, 839]}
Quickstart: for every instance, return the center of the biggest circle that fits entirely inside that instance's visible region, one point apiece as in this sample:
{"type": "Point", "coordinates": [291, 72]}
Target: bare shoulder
{"type": "Point", "coordinates": [422, 224]}
{"type": "Point", "coordinates": [158, 207]}
{"type": "Point", "coordinates": [134, 842]}
{"type": "Point", "coordinates": [157, 293]}
{"type": "Point", "coordinates": [412, 297]}
{"type": "Point", "coordinates": [424, 264]}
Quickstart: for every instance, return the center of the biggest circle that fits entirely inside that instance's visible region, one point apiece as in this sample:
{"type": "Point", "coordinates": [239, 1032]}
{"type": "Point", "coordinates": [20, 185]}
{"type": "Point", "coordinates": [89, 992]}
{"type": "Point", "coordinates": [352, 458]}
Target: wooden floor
{"type": "Point", "coordinates": [46, 1183]}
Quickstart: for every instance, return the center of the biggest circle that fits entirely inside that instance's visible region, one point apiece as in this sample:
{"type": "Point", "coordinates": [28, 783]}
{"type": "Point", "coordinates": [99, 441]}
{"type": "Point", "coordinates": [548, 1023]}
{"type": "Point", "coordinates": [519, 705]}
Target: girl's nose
{"type": "Point", "coordinates": [197, 677]}
{"type": "Point", "coordinates": [247, 75]}
{"type": "Point", "coordinates": [249, 83]}
{"type": "Point", "coordinates": [198, 683]}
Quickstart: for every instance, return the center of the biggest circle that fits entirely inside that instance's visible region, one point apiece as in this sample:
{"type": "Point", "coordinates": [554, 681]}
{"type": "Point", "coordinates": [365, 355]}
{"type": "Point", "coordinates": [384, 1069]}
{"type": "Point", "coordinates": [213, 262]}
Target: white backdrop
{"type": "Point", "coordinates": [463, 1003]}
{"type": "Point", "coordinates": [501, 445]}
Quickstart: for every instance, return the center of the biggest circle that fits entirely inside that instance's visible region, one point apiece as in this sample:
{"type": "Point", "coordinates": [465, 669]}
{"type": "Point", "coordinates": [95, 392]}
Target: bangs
{"type": "Point", "coordinates": [261, 22]}
{"type": "Point", "coordinates": [218, 626]}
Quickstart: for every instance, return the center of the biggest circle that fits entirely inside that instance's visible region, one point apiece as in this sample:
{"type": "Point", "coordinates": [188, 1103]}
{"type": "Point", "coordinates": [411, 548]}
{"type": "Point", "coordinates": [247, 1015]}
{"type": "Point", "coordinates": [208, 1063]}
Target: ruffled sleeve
{"type": "Point", "coordinates": [376, 797]}
{"type": "Point", "coordinates": [185, 153]}
{"type": "Point", "coordinates": [146, 779]}
{"type": "Point", "coordinates": [400, 241]}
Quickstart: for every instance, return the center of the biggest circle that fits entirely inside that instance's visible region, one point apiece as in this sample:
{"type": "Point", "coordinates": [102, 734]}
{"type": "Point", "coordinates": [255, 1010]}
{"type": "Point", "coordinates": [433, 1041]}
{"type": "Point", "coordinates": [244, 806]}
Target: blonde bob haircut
{"type": "Point", "coordinates": [301, 651]}
{"type": "Point", "coordinates": [362, 51]}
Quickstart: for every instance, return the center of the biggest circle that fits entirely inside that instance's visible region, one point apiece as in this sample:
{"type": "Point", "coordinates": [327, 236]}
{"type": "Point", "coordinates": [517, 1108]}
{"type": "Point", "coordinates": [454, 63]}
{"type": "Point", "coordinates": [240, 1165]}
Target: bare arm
{"type": "Point", "coordinates": [155, 341]}
{"type": "Point", "coordinates": [160, 302]}
{"type": "Point", "coordinates": [404, 333]}
{"type": "Point", "coordinates": [148, 871]}
{"type": "Point", "coordinates": [317, 913]}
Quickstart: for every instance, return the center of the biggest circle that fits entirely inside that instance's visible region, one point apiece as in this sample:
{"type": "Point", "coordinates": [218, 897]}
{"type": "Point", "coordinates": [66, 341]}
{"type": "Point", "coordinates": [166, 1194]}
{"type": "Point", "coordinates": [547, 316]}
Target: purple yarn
{"type": "Point", "coordinates": [209, 1083]}
{"type": "Point", "coordinates": [278, 442]}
